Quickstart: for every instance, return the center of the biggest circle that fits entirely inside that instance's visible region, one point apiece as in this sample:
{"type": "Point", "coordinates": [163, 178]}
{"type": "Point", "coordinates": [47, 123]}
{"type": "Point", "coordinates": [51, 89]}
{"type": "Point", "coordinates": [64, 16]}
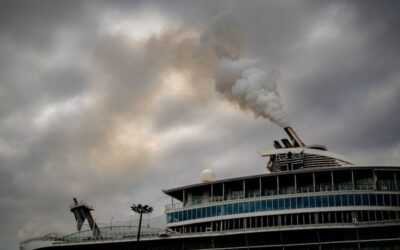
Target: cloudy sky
{"type": "Point", "coordinates": [113, 101]}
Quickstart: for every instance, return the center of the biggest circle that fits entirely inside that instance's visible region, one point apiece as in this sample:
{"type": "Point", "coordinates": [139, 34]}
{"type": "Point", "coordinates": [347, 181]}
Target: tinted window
{"type": "Point", "coordinates": [312, 201]}
{"type": "Point", "coordinates": [299, 202]}
{"type": "Point", "coordinates": [324, 200]}
{"type": "Point", "coordinates": [372, 199]}
{"type": "Point", "coordinates": [269, 205]}
{"type": "Point", "coordinates": [331, 200]}
{"type": "Point", "coordinates": [281, 204]}
{"type": "Point", "coordinates": [292, 202]}
{"type": "Point", "coordinates": [287, 203]}
{"type": "Point", "coordinates": [357, 199]}
{"type": "Point", "coordinates": [306, 202]}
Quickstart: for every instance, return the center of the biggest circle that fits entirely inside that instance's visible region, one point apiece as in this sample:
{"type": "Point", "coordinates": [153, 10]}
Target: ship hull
{"type": "Point", "coordinates": [382, 236]}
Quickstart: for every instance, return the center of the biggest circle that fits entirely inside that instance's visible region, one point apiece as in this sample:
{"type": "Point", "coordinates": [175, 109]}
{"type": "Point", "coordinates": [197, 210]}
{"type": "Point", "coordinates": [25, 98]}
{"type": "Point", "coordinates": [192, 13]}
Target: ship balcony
{"type": "Point", "coordinates": [322, 181]}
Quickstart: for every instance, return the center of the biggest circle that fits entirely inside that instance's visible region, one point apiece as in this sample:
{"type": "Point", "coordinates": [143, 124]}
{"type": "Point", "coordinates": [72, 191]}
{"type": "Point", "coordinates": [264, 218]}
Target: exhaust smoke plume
{"type": "Point", "coordinates": [246, 82]}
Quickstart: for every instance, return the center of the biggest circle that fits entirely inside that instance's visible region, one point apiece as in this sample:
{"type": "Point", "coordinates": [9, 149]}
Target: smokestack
{"type": "Point", "coordinates": [286, 142]}
{"type": "Point", "coordinates": [277, 145]}
{"type": "Point", "coordinates": [297, 142]}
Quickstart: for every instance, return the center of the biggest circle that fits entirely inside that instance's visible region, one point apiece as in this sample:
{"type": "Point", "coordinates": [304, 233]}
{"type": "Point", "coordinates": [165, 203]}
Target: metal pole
{"type": "Point", "coordinates": [140, 225]}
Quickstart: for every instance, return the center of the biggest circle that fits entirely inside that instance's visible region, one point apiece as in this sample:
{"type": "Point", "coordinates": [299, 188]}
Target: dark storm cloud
{"type": "Point", "coordinates": [111, 118]}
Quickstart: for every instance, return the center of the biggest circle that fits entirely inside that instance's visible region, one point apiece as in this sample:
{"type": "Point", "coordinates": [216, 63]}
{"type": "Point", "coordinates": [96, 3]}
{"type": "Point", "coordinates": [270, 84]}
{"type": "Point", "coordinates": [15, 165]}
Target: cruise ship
{"type": "Point", "coordinates": [308, 198]}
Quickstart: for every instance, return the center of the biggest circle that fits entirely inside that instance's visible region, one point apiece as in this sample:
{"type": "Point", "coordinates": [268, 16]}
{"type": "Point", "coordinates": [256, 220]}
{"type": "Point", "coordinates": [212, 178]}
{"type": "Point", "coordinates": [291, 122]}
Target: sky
{"type": "Point", "coordinates": [113, 101]}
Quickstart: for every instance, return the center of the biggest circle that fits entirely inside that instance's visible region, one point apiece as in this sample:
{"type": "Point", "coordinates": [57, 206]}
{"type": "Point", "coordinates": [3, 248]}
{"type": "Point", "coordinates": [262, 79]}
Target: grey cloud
{"type": "Point", "coordinates": [343, 93]}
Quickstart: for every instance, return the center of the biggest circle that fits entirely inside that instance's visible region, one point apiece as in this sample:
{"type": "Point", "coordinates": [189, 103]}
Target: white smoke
{"type": "Point", "coordinates": [246, 82]}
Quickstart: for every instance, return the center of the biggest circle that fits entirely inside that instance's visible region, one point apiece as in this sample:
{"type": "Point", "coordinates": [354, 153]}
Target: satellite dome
{"type": "Point", "coordinates": [207, 175]}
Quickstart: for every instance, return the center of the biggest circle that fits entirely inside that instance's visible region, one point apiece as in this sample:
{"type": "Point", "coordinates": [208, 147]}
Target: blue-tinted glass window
{"type": "Point", "coordinates": [386, 199]}
{"type": "Point", "coordinates": [203, 212]}
{"type": "Point", "coordinates": [235, 208]}
{"type": "Point", "coordinates": [219, 210]}
{"type": "Point", "coordinates": [365, 199]}
{"type": "Point", "coordinates": [208, 211]}
{"type": "Point", "coordinates": [306, 202]}
{"type": "Point", "coordinates": [331, 200]}
{"type": "Point", "coordinates": [214, 211]}
{"type": "Point", "coordinates": [312, 201]}
{"type": "Point", "coordinates": [293, 202]}
{"type": "Point", "coordinates": [317, 201]}
{"type": "Point", "coordinates": [345, 201]}
{"type": "Point", "coordinates": [393, 197]}
{"type": "Point", "coordinates": [229, 209]}
{"type": "Point", "coordinates": [198, 213]}
{"type": "Point", "coordinates": [263, 205]}
{"type": "Point", "coordinates": [189, 215]}
{"type": "Point", "coordinates": [252, 205]}
{"type": "Point", "coordinates": [287, 203]}
{"type": "Point", "coordinates": [269, 205]}
{"type": "Point", "coordinates": [281, 203]}
{"type": "Point", "coordinates": [324, 200]}
{"type": "Point", "coordinates": [379, 199]}
{"type": "Point", "coordinates": [351, 199]}
{"type": "Point", "coordinates": [240, 207]}
{"type": "Point", "coordinates": [299, 201]}
{"type": "Point", "coordinates": [275, 204]}
{"type": "Point", "coordinates": [184, 215]}
{"type": "Point", "coordinates": [180, 216]}
{"type": "Point", "coordinates": [168, 218]}
{"type": "Point", "coordinates": [372, 199]}
{"type": "Point", "coordinates": [258, 206]}
{"type": "Point", "coordinates": [338, 200]}
{"type": "Point", "coordinates": [357, 199]}
{"type": "Point", "coordinates": [246, 208]}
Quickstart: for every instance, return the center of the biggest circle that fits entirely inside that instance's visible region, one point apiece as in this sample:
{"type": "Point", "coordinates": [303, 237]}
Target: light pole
{"type": "Point", "coordinates": [140, 209]}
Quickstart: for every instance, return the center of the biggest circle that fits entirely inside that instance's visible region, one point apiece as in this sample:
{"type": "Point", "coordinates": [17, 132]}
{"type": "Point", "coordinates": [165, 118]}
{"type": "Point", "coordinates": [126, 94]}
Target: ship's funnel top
{"type": "Point", "coordinates": [297, 142]}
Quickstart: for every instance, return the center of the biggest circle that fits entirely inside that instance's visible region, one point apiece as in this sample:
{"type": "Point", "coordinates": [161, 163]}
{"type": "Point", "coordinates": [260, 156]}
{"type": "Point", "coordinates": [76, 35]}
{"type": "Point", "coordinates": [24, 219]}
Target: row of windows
{"type": "Point", "coordinates": [290, 220]}
{"type": "Point", "coordinates": [286, 203]}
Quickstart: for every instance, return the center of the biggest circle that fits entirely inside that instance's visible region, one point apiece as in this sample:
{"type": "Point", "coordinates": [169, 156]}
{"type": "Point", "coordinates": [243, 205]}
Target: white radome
{"type": "Point", "coordinates": [207, 175]}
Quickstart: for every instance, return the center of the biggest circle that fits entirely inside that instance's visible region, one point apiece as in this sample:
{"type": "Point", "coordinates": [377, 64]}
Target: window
{"type": "Point", "coordinates": [281, 203]}
{"type": "Point", "coordinates": [235, 208]}
{"type": "Point", "coordinates": [365, 199]}
{"type": "Point", "coordinates": [287, 203]}
{"type": "Point", "coordinates": [189, 215]}
{"type": "Point", "coordinates": [184, 215]}
{"type": "Point", "coordinates": [357, 200]}
{"type": "Point", "coordinates": [240, 208]}
{"type": "Point", "coordinates": [198, 213]}
{"type": "Point", "coordinates": [299, 202]}
{"type": "Point", "coordinates": [246, 208]}
{"type": "Point", "coordinates": [318, 201]}
{"type": "Point", "coordinates": [351, 199]}
{"type": "Point", "coordinates": [213, 211]}
{"type": "Point", "coordinates": [386, 199]}
{"type": "Point", "coordinates": [394, 200]}
{"type": "Point", "coordinates": [372, 199]}
{"type": "Point", "coordinates": [379, 199]}
{"type": "Point", "coordinates": [324, 200]}
{"type": "Point", "coordinates": [345, 201]}
{"type": "Point", "coordinates": [264, 205]}
{"type": "Point", "coordinates": [312, 201]}
{"type": "Point", "coordinates": [269, 205]}
{"type": "Point", "coordinates": [275, 204]}
{"type": "Point", "coordinates": [293, 203]}
{"type": "Point", "coordinates": [306, 202]}
{"type": "Point", "coordinates": [331, 200]}
{"type": "Point", "coordinates": [203, 212]}
{"type": "Point", "coordinates": [338, 200]}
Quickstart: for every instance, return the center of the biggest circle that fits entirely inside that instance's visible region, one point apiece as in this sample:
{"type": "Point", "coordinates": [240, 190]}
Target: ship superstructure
{"type": "Point", "coordinates": [310, 199]}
